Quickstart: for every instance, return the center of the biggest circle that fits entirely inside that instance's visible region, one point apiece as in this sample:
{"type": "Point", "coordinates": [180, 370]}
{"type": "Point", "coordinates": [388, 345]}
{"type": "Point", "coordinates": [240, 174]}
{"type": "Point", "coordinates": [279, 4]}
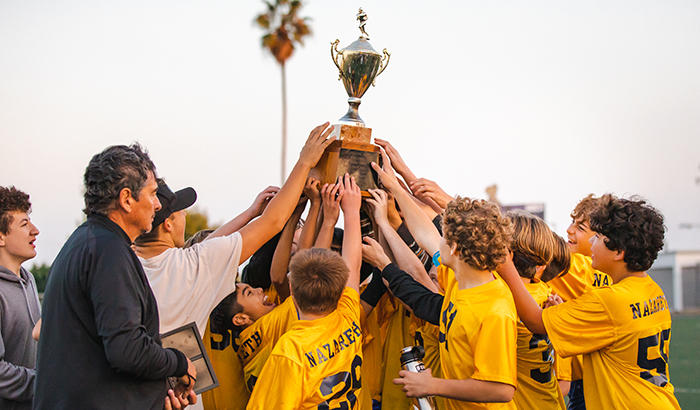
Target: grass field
{"type": "Point", "coordinates": [684, 360]}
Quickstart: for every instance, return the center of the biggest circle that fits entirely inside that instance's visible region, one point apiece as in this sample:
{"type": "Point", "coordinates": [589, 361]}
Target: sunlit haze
{"type": "Point", "coordinates": [550, 100]}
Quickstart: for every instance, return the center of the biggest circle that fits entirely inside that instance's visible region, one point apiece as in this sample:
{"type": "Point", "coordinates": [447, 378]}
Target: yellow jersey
{"type": "Point", "coordinates": [623, 332]}
{"type": "Point", "coordinates": [428, 336]}
{"type": "Point", "coordinates": [316, 364]}
{"type": "Point", "coordinates": [537, 386]}
{"type": "Point", "coordinates": [258, 339]}
{"type": "Point", "coordinates": [580, 278]}
{"type": "Point", "coordinates": [478, 333]}
{"type": "Point", "coordinates": [221, 346]}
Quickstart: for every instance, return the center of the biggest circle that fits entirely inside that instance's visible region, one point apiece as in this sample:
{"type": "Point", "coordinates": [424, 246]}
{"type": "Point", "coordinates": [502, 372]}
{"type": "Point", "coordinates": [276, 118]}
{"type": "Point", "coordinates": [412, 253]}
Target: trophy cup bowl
{"type": "Point", "coordinates": [359, 65]}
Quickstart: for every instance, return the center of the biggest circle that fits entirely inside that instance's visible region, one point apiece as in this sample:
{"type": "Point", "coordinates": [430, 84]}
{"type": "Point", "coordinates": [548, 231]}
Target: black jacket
{"type": "Point", "coordinates": [99, 344]}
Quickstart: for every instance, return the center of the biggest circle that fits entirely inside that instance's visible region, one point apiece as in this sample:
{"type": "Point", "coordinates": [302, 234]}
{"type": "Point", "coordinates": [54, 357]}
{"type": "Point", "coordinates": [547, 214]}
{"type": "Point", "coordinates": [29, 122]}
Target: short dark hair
{"type": "Point", "coordinates": [559, 266]}
{"type": "Point", "coordinates": [12, 200]}
{"type": "Point", "coordinates": [630, 225]}
{"type": "Point", "coordinates": [317, 277]}
{"type": "Point", "coordinates": [222, 315]}
{"type": "Point", "coordinates": [112, 170]}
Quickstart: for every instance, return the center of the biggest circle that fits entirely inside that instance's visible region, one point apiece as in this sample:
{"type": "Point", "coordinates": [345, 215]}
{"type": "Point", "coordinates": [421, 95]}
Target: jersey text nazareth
{"type": "Point", "coordinates": [651, 306]}
{"type": "Point", "coordinates": [328, 350]}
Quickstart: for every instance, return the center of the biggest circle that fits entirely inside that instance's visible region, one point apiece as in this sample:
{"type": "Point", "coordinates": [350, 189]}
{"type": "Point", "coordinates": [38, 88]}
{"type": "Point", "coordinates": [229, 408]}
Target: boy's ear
{"type": "Point", "coordinates": [168, 224]}
{"type": "Point", "coordinates": [453, 248]}
{"type": "Point", "coordinates": [620, 255]}
{"type": "Point", "coordinates": [242, 320]}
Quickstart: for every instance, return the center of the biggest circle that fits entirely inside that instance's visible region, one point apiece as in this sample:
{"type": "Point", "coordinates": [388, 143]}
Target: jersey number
{"type": "Point", "coordinates": [351, 382]}
{"type": "Point", "coordinates": [660, 364]}
{"type": "Point", "coordinates": [536, 374]}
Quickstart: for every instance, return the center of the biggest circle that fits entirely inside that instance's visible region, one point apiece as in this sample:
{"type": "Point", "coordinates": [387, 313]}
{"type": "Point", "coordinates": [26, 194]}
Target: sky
{"type": "Point", "coordinates": [549, 100]}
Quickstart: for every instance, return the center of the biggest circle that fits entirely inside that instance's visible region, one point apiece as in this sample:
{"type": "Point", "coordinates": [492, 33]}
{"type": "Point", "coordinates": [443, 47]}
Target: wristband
{"type": "Point", "coordinates": [436, 259]}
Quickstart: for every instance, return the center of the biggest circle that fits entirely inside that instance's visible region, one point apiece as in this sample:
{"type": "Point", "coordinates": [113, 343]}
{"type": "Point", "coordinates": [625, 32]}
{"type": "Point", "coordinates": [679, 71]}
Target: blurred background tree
{"type": "Point", "coordinates": [196, 220]}
{"type": "Point", "coordinates": [283, 30]}
{"type": "Point", "coordinates": [41, 274]}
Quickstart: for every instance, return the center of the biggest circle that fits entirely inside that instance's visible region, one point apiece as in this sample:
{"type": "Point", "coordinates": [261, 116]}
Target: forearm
{"type": "Point", "coordinates": [528, 310]}
{"type": "Point", "coordinates": [405, 258]}
{"type": "Point", "coordinates": [16, 382]}
{"type": "Point", "coordinates": [308, 232]}
{"type": "Point", "coordinates": [325, 235]}
{"type": "Point", "coordinates": [277, 212]}
{"type": "Point", "coordinates": [234, 225]}
{"type": "Point", "coordinates": [472, 390]}
{"type": "Point", "coordinates": [352, 248]}
{"type": "Point", "coordinates": [420, 225]}
{"type": "Point", "coordinates": [425, 303]}
{"type": "Point", "coordinates": [280, 260]}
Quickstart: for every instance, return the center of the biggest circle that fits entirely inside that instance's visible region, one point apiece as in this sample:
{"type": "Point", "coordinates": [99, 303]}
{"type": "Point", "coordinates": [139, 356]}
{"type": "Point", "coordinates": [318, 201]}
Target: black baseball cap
{"type": "Point", "coordinates": [172, 202]}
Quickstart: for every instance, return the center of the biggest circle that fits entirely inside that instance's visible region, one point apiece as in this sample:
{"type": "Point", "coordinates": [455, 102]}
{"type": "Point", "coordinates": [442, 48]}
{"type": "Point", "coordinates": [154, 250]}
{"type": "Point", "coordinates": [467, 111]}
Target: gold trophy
{"type": "Point", "coordinates": [359, 65]}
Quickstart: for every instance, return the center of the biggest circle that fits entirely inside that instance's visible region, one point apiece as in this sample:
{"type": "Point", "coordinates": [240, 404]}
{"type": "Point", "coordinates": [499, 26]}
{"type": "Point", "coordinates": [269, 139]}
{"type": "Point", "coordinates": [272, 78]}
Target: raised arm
{"type": "Point", "coordinates": [308, 232]}
{"type": "Point", "coordinates": [528, 310]}
{"type": "Point", "coordinates": [280, 260]}
{"type": "Point", "coordinates": [331, 212]}
{"type": "Point", "coordinates": [396, 159]}
{"type": "Point", "coordinates": [259, 231]}
{"type": "Point", "coordinates": [350, 203]}
{"type": "Point", "coordinates": [403, 255]}
{"type": "Point", "coordinates": [421, 227]}
{"type": "Point", "coordinates": [255, 210]}
{"type": "Point", "coordinates": [424, 303]}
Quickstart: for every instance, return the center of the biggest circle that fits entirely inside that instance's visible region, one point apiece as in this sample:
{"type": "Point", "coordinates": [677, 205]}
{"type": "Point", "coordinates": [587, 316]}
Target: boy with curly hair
{"type": "Point", "coordinates": [19, 302]}
{"type": "Point", "coordinates": [477, 316]}
{"type": "Point", "coordinates": [622, 330]}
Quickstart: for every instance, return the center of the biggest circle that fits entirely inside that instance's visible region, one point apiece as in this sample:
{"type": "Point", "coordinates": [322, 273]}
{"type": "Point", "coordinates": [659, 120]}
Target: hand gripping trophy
{"type": "Point", "coordinates": [359, 65]}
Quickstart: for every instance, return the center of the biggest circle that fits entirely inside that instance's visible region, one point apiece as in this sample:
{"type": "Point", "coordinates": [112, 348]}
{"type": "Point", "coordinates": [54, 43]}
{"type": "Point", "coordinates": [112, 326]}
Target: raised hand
{"type": "Point", "coordinates": [373, 253]}
{"type": "Point", "coordinates": [398, 162]}
{"type": "Point", "coordinates": [379, 204]}
{"type": "Point", "coordinates": [352, 195]}
{"type": "Point", "coordinates": [261, 201]}
{"type": "Point", "coordinates": [425, 188]}
{"type": "Point", "coordinates": [312, 190]}
{"type": "Point", "coordinates": [386, 174]}
{"type": "Point", "coordinates": [315, 145]}
{"type": "Point", "coordinates": [331, 202]}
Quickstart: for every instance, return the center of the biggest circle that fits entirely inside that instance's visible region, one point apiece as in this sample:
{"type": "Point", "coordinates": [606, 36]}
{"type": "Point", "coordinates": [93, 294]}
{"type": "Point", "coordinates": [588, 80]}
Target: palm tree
{"type": "Point", "coordinates": [283, 29]}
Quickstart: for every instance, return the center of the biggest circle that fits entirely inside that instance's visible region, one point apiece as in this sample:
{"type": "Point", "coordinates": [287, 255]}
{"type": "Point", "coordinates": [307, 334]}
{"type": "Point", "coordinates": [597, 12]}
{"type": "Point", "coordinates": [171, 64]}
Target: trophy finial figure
{"type": "Point", "coordinates": [362, 18]}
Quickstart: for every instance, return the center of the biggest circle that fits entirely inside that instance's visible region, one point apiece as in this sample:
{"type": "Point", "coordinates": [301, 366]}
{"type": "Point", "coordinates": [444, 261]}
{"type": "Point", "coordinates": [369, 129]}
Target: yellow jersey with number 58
{"type": "Point", "coordinates": [316, 364]}
{"type": "Point", "coordinates": [623, 332]}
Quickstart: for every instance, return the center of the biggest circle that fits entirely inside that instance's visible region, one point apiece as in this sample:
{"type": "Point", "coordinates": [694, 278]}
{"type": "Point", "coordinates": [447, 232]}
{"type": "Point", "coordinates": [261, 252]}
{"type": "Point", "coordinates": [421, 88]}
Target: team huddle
{"type": "Point", "coordinates": [509, 314]}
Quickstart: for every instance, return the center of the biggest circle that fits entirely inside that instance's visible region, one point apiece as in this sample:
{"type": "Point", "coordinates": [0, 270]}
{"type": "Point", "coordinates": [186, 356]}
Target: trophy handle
{"type": "Point", "coordinates": [334, 47]}
{"type": "Point", "coordinates": [384, 63]}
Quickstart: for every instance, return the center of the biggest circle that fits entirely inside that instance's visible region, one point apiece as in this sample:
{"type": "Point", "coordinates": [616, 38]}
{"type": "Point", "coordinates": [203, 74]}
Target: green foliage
{"type": "Point", "coordinates": [196, 220]}
{"type": "Point", "coordinates": [41, 274]}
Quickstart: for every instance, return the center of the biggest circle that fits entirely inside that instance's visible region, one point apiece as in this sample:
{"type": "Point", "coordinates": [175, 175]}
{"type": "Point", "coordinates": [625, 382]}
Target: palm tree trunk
{"type": "Point", "coordinates": [284, 126]}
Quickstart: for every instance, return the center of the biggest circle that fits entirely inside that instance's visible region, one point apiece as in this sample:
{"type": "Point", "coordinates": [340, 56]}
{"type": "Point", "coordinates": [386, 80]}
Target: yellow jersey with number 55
{"type": "Point", "coordinates": [623, 332]}
{"type": "Point", "coordinates": [316, 364]}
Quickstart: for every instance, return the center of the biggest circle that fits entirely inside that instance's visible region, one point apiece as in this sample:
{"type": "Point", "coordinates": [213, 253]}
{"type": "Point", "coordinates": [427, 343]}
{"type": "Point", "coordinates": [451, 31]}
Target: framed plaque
{"type": "Point", "coordinates": [352, 157]}
{"type": "Point", "coordinates": [186, 339]}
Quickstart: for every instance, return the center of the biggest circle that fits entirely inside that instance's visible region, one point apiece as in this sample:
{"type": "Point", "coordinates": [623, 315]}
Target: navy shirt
{"type": "Point", "coordinates": [99, 344]}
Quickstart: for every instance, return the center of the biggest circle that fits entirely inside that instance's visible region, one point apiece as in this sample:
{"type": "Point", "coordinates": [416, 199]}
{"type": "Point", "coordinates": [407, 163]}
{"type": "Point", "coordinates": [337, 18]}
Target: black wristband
{"type": "Point", "coordinates": [375, 289]}
{"type": "Point", "coordinates": [181, 368]}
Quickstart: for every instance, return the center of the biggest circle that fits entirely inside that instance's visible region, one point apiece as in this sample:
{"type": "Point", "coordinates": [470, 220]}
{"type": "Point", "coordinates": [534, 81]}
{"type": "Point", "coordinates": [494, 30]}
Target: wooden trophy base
{"type": "Point", "coordinates": [351, 153]}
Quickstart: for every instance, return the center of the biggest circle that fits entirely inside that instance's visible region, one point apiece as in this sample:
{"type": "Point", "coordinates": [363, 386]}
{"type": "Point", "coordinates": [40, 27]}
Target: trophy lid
{"type": "Point", "coordinates": [361, 45]}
